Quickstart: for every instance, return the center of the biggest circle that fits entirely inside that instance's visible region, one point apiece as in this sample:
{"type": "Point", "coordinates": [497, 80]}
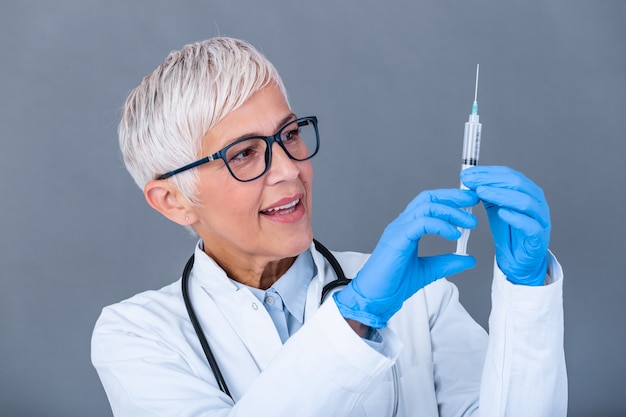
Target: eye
{"type": "Point", "coordinates": [291, 135]}
{"type": "Point", "coordinates": [242, 154]}
{"type": "Point", "coordinates": [245, 151]}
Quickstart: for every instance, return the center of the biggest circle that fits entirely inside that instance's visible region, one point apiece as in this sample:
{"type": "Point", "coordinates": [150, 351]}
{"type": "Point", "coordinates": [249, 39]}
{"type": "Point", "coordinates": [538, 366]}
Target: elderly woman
{"type": "Point", "coordinates": [253, 329]}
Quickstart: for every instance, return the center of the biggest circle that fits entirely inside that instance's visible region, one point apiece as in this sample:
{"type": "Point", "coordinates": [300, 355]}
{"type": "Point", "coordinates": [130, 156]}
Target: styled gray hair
{"type": "Point", "coordinates": [168, 114]}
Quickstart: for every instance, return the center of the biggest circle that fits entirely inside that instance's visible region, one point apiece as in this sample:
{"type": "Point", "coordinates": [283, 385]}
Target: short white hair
{"type": "Point", "coordinates": [168, 114]}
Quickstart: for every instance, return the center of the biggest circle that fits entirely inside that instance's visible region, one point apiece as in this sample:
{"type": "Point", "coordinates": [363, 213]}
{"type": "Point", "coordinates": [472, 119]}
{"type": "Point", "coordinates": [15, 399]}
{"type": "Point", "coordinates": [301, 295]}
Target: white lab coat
{"type": "Point", "coordinates": [151, 363]}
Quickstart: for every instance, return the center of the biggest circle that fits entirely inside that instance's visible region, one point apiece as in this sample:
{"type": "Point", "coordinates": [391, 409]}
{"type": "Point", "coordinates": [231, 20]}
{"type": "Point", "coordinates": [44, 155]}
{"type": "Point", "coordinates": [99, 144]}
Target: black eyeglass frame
{"type": "Point", "coordinates": [269, 140]}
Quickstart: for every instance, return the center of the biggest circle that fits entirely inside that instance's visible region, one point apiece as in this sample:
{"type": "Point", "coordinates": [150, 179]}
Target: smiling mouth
{"type": "Point", "coordinates": [280, 210]}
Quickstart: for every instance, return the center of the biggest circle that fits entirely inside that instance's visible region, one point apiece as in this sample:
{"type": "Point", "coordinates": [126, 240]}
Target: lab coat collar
{"type": "Point", "coordinates": [324, 275]}
{"type": "Point", "coordinates": [208, 273]}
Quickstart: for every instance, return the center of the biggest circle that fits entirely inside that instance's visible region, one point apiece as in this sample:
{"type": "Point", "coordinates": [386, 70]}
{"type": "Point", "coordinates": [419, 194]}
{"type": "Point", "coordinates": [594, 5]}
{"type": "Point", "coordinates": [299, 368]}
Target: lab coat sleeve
{"type": "Point", "coordinates": [516, 370]}
{"type": "Point", "coordinates": [142, 368]}
{"type": "Point", "coordinates": [524, 372]}
{"type": "Point", "coordinates": [323, 370]}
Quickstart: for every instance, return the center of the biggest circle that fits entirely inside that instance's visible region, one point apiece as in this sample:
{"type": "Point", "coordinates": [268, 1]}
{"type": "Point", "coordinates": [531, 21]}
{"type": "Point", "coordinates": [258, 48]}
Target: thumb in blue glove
{"type": "Point", "coordinates": [519, 218]}
{"type": "Point", "coordinates": [394, 271]}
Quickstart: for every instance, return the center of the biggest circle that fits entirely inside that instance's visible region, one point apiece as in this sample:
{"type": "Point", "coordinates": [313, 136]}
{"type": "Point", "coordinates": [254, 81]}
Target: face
{"type": "Point", "coordinates": [246, 226]}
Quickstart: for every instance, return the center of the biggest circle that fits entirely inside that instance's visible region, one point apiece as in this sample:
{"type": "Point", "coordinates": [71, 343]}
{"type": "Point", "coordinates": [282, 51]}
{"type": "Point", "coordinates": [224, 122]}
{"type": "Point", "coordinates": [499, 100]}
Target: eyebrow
{"type": "Point", "coordinates": [289, 118]}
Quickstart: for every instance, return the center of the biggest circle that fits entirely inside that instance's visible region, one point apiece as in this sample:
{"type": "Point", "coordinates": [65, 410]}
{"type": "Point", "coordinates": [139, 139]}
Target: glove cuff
{"type": "Point", "coordinates": [371, 312]}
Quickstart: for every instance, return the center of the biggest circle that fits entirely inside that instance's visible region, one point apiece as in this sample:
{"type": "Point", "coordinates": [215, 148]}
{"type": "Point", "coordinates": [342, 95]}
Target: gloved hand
{"type": "Point", "coordinates": [519, 218]}
{"type": "Point", "coordinates": [394, 271]}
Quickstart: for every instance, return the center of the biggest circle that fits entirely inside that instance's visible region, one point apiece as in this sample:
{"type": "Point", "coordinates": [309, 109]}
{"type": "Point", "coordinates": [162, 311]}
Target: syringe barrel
{"type": "Point", "coordinates": [471, 143]}
{"type": "Point", "coordinates": [471, 154]}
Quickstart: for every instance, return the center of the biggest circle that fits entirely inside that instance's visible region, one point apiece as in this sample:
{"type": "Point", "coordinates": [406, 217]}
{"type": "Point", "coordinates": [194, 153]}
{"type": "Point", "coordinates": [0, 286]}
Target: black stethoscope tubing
{"type": "Point", "coordinates": [221, 382]}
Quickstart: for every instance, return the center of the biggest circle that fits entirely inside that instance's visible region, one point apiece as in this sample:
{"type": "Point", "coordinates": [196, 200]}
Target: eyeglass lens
{"type": "Point", "coordinates": [248, 159]}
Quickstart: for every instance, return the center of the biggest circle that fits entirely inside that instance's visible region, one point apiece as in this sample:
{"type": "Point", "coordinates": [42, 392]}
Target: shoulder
{"type": "Point", "coordinates": [146, 312]}
{"type": "Point", "coordinates": [351, 262]}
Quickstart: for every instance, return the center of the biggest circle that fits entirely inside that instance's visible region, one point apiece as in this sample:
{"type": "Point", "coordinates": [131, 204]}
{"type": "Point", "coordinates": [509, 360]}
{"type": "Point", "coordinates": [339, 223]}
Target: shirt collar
{"type": "Point", "coordinates": [292, 286]}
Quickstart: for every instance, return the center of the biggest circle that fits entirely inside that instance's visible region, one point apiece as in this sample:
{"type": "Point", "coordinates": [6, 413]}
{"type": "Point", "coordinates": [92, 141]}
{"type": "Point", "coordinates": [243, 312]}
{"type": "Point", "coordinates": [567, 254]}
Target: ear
{"type": "Point", "coordinates": [165, 198]}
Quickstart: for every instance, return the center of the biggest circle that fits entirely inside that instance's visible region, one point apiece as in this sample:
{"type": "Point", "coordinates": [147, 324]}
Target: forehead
{"type": "Point", "coordinates": [262, 114]}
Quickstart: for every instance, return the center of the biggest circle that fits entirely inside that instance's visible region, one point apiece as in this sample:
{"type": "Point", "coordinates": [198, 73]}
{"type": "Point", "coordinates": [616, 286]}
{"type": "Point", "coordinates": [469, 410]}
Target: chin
{"type": "Point", "coordinates": [294, 246]}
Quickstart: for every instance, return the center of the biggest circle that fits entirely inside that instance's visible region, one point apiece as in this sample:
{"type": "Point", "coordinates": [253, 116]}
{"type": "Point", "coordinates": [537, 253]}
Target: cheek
{"type": "Point", "coordinates": [306, 178]}
{"type": "Point", "coordinates": [306, 174]}
{"type": "Point", "coordinates": [228, 202]}
{"type": "Point", "coordinates": [240, 206]}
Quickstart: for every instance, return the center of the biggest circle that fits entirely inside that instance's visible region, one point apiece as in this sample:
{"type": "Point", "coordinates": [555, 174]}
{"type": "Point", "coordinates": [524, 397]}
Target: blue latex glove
{"type": "Point", "coordinates": [394, 271]}
{"type": "Point", "coordinates": [519, 217]}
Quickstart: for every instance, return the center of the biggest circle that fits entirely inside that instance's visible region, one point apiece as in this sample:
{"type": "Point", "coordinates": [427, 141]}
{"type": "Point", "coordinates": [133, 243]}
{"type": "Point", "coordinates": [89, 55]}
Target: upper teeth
{"type": "Point", "coordinates": [286, 206]}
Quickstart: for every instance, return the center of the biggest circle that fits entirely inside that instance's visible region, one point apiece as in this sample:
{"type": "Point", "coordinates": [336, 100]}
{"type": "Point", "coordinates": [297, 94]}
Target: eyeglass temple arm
{"type": "Point", "coordinates": [187, 167]}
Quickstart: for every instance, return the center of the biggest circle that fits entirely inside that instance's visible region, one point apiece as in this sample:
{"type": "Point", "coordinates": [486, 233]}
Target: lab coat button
{"type": "Point", "coordinates": [254, 306]}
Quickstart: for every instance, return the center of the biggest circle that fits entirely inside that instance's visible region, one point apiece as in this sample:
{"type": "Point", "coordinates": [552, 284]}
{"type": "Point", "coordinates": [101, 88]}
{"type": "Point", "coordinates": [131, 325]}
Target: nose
{"type": "Point", "coordinates": [282, 167]}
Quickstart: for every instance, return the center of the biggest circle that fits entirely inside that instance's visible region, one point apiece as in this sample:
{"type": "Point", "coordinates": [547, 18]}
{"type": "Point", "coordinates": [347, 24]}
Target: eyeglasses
{"type": "Point", "coordinates": [249, 158]}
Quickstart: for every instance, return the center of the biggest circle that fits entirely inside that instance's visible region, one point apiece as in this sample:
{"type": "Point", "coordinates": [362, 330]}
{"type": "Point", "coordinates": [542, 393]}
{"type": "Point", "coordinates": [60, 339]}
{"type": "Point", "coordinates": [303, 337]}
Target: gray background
{"type": "Point", "coordinates": [392, 83]}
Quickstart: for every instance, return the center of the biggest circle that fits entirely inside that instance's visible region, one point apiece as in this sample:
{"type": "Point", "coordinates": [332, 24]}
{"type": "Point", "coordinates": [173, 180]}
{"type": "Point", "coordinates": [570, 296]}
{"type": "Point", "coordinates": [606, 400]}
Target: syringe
{"type": "Point", "coordinates": [471, 151]}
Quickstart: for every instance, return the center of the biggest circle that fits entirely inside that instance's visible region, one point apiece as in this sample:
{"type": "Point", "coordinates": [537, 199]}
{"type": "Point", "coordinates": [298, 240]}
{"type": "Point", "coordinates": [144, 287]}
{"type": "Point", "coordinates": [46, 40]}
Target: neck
{"type": "Point", "coordinates": [254, 273]}
{"type": "Point", "coordinates": [272, 272]}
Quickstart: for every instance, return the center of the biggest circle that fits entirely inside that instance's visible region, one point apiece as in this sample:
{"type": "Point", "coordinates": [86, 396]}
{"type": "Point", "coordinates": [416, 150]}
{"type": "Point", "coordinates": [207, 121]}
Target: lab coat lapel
{"type": "Point", "coordinates": [243, 312]}
{"type": "Point", "coordinates": [324, 275]}
{"type": "Point", "coordinates": [252, 323]}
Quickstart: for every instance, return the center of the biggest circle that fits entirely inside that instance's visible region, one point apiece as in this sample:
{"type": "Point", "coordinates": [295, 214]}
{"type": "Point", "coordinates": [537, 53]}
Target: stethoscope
{"type": "Point", "coordinates": [221, 382]}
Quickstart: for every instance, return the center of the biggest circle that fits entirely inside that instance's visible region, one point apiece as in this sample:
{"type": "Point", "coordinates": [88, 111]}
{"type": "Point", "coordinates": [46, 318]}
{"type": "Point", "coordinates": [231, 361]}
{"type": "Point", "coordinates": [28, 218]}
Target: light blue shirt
{"type": "Point", "coordinates": [285, 300]}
